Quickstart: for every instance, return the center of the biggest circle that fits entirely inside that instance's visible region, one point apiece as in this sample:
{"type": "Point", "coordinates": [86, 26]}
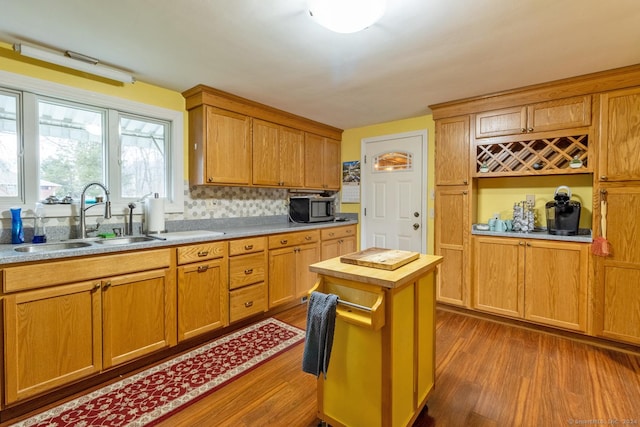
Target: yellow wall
{"type": "Point", "coordinates": [497, 195]}
{"type": "Point", "coordinates": [351, 140]}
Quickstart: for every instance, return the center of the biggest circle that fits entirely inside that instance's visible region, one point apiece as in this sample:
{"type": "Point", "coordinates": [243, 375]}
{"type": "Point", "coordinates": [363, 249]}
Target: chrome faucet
{"type": "Point", "coordinates": [83, 209]}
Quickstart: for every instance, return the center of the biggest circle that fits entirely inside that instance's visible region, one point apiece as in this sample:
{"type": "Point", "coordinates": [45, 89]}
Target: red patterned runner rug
{"type": "Point", "coordinates": [151, 395]}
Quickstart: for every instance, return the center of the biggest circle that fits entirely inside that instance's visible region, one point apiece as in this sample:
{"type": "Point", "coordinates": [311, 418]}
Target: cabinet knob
{"type": "Point", "coordinates": [528, 244]}
{"type": "Point", "coordinates": [521, 243]}
{"type": "Point", "coordinates": [529, 129]}
{"type": "Point", "coordinates": [209, 179]}
{"type": "Point", "coordinates": [340, 241]}
{"type": "Point", "coordinates": [203, 268]}
{"type": "Point", "coordinates": [248, 271]}
{"type": "Point", "coordinates": [106, 284]}
{"type": "Point", "coordinates": [96, 286]}
{"type": "Point", "coordinates": [248, 304]}
{"type": "Point", "coordinates": [307, 237]}
{"type": "Point", "coordinates": [465, 192]}
{"type": "Point", "coordinates": [604, 177]}
{"type": "Point", "coordinates": [465, 182]}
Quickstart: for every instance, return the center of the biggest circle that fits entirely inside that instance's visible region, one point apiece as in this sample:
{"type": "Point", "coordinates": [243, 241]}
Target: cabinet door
{"type": "Point", "coordinates": [337, 247]}
{"type": "Point", "coordinates": [452, 151]}
{"type": "Point", "coordinates": [620, 135]}
{"type": "Point", "coordinates": [202, 298]}
{"type": "Point", "coordinates": [498, 275]}
{"type": "Point", "coordinates": [313, 163]}
{"type": "Point", "coordinates": [559, 114]}
{"type": "Point", "coordinates": [228, 147]}
{"type": "Point", "coordinates": [282, 276]}
{"type": "Point", "coordinates": [266, 153]}
{"type": "Point", "coordinates": [135, 316]}
{"type": "Point", "coordinates": [556, 283]}
{"type": "Point", "coordinates": [451, 241]}
{"type": "Point", "coordinates": [305, 256]}
{"type": "Point", "coordinates": [291, 157]}
{"type": "Point", "coordinates": [507, 121]}
{"type": "Point", "coordinates": [332, 164]}
{"type": "Point", "coordinates": [617, 277]}
{"type": "Point", "coordinates": [51, 337]}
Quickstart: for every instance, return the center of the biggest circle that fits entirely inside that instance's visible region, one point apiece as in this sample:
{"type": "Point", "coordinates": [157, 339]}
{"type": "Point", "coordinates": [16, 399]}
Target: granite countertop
{"type": "Point", "coordinates": [583, 236]}
{"type": "Point", "coordinates": [8, 254]}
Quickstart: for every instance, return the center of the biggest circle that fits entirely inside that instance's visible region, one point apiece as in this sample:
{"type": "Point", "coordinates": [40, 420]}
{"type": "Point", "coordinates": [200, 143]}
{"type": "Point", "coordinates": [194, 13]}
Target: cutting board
{"type": "Point", "coordinates": [385, 259]}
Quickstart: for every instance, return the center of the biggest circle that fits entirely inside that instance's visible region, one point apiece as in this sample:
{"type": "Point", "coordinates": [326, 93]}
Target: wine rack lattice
{"type": "Point", "coordinates": [538, 156]}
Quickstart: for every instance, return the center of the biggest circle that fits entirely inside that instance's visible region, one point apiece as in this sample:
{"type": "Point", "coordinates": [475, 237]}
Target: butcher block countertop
{"type": "Point", "coordinates": [378, 276]}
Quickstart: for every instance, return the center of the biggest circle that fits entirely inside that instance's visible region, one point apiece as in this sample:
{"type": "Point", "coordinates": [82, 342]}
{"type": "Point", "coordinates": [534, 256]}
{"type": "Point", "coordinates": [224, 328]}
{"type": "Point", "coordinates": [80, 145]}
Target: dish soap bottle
{"type": "Point", "coordinates": [17, 233]}
{"type": "Point", "coordinates": [39, 235]}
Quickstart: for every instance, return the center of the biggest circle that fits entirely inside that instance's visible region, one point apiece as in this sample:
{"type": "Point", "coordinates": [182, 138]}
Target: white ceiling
{"type": "Point", "coordinates": [420, 53]}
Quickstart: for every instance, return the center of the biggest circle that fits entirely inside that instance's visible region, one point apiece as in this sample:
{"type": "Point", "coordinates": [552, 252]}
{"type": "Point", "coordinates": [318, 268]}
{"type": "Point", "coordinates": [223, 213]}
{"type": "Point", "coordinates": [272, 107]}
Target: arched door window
{"type": "Point", "coordinates": [393, 161]}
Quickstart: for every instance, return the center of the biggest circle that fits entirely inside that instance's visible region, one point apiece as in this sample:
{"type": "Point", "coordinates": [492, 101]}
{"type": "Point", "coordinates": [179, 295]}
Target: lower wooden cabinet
{"type": "Point", "coordinates": [337, 241]}
{"type": "Point", "coordinates": [52, 336]}
{"type": "Point", "coordinates": [616, 311]}
{"type": "Point", "coordinates": [247, 277]}
{"type": "Point", "coordinates": [202, 289]}
{"type": "Point", "coordinates": [79, 325]}
{"type": "Point", "coordinates": [542, 281]}
{"type": "Point", "coordinates": [290, 255]}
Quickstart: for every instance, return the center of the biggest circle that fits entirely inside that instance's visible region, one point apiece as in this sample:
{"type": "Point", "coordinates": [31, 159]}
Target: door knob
{"type": "Point", "coordinates": [416, 226]}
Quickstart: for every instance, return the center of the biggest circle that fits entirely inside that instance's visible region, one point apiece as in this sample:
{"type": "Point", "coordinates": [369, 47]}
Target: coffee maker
{"type": "Point", "coordinates": [563, 214]}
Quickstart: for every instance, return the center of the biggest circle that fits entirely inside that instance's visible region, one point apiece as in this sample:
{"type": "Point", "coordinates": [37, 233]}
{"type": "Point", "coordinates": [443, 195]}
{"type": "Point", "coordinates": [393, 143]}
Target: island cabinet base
{"type": "Point", "coordinates": [381, 373]}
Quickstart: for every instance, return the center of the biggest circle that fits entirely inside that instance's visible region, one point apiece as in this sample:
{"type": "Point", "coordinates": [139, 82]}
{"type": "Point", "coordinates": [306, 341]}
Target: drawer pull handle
{"type": "Point", "coordinates": [248, 247]}
{"type": "Point", "coordinates": [349, 231]}
{"type": "Point", "coordinates": [332, 234]}
{"type": "Point", "coordinates": [203, 253]}
{"type": "Point", "coordinates": [203, 268]}
{"type": "Point", "coordinates": [248, 304]}
{"type": "Point", "coordinates": [283, 242]}
{"type": "Point", "coordinates": [248, 271]}
{"type": "Point", "coordinates": [307, 237]}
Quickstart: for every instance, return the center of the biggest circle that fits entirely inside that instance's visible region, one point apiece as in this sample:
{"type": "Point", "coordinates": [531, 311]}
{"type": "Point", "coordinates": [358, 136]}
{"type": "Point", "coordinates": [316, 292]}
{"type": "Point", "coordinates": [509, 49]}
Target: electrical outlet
{"type": "Point", "coordinates": [531, 199]}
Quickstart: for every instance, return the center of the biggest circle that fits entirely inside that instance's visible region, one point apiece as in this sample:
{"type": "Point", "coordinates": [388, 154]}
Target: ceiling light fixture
{"type": "Point", "coordinates": [346, 16]}
{"type": "Point", "coordinates": [73, 60]}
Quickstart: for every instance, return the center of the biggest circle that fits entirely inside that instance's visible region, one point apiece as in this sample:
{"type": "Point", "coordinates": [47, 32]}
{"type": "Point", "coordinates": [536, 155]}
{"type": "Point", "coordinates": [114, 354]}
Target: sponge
{"type": "Point", "coordinates": [107, 235]}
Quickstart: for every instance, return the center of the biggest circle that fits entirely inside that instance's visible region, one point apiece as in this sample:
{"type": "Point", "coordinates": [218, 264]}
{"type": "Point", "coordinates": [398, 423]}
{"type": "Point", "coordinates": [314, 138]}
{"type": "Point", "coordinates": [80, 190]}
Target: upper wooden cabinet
{"type": "Point", "coordinates": [620, 135]}
{"type": "Point", "coordinates": [278, 155]}
{"type": "Point", "coordinates": [452, 151]}
{"type": "Point", "coordinates": [236, 141]}
{"type": "Point", "coordinates": [541, 117]}
{"type": "Point", "coordinates": [220, 148]}
{"type": "Point", "coordinates": [322, 163]}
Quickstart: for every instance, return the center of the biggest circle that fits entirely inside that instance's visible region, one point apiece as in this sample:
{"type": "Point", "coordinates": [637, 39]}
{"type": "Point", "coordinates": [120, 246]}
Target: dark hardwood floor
{"type": "Point", "coordinates": [488, 374]}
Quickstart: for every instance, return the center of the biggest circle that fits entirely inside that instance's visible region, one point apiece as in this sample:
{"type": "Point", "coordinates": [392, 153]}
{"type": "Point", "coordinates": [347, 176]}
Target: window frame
{"type": "Point", "coordinates": [30, 89]}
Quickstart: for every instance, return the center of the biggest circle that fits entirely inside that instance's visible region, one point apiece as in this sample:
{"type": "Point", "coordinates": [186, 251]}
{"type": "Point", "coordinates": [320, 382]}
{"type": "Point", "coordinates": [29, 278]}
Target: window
{"type": "Point", "coordinates": [9, 146]}
{"type": "Point", "coordinates": [71, 137]}
{"type": "Point", "coordinates": [393, 161]}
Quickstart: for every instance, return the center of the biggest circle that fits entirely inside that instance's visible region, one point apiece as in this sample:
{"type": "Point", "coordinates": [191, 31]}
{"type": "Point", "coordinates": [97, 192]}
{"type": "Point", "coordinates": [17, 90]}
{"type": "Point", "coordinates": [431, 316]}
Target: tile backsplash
{"type": "Point", "coordinates": [200, 203]}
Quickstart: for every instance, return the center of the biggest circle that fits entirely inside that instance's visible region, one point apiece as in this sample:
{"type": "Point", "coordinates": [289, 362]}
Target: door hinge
{"type": "Point", "coordinates": [365, 211]}
{"type": "Point", "coordinates": [365, 159]}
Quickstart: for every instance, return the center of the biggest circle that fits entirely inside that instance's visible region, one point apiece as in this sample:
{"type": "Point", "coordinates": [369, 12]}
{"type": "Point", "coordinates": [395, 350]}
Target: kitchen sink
{"type": "Point", "coordinates": [59, 246]}
{"type": "Point", "coordinates": [124, 240]}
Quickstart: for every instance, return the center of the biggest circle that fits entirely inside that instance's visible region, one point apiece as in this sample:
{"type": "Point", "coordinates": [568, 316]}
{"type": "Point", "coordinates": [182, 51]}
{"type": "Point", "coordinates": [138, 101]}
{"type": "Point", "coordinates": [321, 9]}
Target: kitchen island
{"type": "Point", "coordinates": [382, 366]}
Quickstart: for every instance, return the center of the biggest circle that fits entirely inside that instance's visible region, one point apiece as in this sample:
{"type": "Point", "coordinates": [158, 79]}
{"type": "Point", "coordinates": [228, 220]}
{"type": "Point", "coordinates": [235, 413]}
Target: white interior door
{"type": "Point", "coordinates": [393, 204]}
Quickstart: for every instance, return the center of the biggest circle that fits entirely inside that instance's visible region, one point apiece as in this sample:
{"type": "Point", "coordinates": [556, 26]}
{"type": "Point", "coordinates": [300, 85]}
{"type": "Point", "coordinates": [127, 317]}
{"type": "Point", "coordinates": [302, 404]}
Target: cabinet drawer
{"type": "Point", "coordinates": [247, 301]}
{"type": "Point", "coordinates": [338, 232]}
{"type": "Point", "coordinates": [247, 246]}
{"type": "Point", "coordinates": [292, 239]}
{"type": "Point", "coordinates": [247, 269]}
{"type": "Point", "coordinates": [60, 272]}
{"type": "Point", "coordinates": [201, 252]}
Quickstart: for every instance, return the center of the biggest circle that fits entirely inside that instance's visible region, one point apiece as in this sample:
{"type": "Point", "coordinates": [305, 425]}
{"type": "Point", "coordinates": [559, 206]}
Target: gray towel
{"type": "Point", "coordinates": [321, 320]}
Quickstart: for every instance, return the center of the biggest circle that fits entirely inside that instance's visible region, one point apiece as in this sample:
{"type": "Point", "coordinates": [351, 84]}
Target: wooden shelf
{"type": "Point", "coordinates": [539, 156]}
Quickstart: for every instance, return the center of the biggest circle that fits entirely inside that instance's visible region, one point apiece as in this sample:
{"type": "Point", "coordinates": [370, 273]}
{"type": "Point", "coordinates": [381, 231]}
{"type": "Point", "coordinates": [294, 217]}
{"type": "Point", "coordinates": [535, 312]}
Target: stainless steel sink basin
{"type": "Point", "coordinates": [59, 246]}
{"type": "Point", "coordinates": [124, 240]}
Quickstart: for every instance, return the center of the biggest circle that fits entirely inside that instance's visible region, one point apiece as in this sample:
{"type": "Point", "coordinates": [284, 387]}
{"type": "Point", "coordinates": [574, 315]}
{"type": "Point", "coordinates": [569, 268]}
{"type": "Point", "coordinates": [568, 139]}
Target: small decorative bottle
{"type": "Point", "coordinates": [17, 233]}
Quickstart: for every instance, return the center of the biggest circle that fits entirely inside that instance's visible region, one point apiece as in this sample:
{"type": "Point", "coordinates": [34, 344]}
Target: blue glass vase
{"type": "Point", "coordinates": [17, 233]}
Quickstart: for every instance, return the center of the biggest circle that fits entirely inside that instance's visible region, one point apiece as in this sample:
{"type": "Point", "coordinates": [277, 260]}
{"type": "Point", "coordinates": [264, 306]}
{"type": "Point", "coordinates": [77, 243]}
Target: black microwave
{"type": "Point", "coordinates": [311, 208]}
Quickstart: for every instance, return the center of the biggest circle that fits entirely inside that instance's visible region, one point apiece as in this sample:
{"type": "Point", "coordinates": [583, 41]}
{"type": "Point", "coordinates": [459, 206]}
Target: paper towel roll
{"type": "Point", "coordinates": [155, 215]}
